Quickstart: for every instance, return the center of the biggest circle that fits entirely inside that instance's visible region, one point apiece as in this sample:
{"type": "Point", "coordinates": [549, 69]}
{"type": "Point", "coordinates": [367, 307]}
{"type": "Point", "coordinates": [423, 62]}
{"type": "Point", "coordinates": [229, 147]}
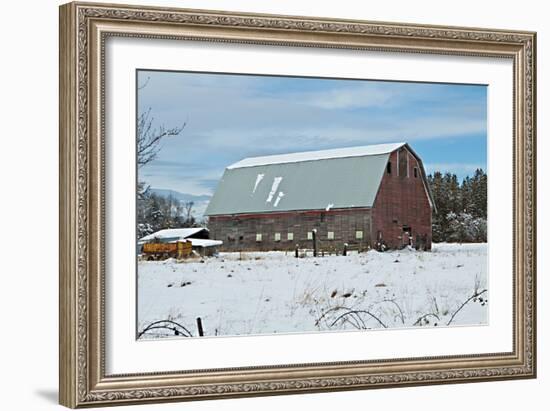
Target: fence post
{"type": "Point", "coordinates": [314, 238]}
{"type": "Point", "coordinates": [345, 249]}
{"type": "Point", "coordinates": [199, 326]}
{"type": "Point", "coordinates": [296, 251]}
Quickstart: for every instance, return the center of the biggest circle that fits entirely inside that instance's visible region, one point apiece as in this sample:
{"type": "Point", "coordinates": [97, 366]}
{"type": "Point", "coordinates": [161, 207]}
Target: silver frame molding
{"type": "Point", "coordinates": [84, 27]}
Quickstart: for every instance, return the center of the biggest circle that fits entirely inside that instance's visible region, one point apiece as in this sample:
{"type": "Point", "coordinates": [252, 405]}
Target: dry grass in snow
{"type": "Point", "coordinates": [273, 292]}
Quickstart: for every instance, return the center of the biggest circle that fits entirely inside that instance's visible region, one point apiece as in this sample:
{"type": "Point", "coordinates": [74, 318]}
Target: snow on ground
{"type": "Point", "coordinates": [274, 292]}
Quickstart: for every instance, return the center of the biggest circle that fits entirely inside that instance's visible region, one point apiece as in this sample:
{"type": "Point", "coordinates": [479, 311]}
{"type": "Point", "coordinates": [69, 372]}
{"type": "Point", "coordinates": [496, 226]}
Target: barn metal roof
{"type": "Point", "coordinates": [317, 180]}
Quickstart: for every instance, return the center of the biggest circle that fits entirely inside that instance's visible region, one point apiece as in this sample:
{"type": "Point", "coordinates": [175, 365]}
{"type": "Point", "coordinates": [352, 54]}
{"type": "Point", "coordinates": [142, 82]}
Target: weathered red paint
{"type": "Point", "coordinates": [402, 201]}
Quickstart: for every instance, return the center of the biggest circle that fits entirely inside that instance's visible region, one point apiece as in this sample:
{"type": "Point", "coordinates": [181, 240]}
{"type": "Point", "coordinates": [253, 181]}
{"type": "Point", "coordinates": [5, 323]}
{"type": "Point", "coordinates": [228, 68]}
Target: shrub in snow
{"type": "Point", "coordinates": [464, 228]}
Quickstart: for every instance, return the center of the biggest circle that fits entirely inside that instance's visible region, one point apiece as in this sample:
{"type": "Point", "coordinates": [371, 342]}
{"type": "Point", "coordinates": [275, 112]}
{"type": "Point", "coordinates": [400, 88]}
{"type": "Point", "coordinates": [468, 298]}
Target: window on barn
{"type": "Point", "coordinates": [330, 235]}
{"type": "Point", "coordinates": [277, 236]}
{"type": "Point", "coordinates": [415, 172]}
{"type": "Point", "coordinates": [407, 234]}
{"type": "Point", "coordinates": [290, 236]}
{"type": "Point", "coordinates": [388, 167]}
{"type": "Point", "coordinates": [309, 235]}
{"type": "Point", "coordinates": [258, 237]}
{"type": "Point", "coordinates": [359, 235]}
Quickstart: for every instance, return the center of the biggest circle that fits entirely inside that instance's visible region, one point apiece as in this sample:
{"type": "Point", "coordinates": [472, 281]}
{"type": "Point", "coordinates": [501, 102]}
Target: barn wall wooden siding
{"type": "Point", "coordinates": [401, 201]}
{"type": "Point", "coordinates": [238, 232]}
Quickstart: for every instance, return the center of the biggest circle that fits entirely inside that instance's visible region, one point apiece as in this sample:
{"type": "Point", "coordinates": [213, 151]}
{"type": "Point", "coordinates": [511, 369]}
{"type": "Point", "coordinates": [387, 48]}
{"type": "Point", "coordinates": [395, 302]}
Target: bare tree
{"type": "Point", "coordinates": [188, 213]}
{"type": "Point", "coordinates": [152, 213]}
{"type": "Point", "coordinates": [149, 137]}
{"type": "Point", "coordinates": [144, 84]}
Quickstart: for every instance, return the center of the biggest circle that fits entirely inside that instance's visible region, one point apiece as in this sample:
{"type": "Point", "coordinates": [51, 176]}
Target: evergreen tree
{"type": "Point", "coordinates": [479, 193]}
{"type": "Point", "coordinates": [467, 195]}
{"type": "Point", "coordinates": [438, 192]}
{"type": "Point", "coordinates": [461, 207]}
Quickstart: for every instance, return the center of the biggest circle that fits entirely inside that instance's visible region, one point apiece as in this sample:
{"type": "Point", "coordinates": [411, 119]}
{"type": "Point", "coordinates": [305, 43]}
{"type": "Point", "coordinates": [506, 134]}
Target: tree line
{"type": "Point", "coordinates": [156, 212]}
{"type": "Point", "coordinates": [461, 207]}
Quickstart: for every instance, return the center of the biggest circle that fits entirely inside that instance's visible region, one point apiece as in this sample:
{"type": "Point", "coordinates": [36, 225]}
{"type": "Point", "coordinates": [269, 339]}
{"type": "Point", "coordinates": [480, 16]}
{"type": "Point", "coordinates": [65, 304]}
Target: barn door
{"type": "Point", "coordinates": [407, 238]}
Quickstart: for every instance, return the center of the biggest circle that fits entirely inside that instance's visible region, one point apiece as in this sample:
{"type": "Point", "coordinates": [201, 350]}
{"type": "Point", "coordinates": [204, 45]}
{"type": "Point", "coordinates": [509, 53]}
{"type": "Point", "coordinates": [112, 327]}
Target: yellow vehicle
{"type": "Point", "coordinates": [161, 251]}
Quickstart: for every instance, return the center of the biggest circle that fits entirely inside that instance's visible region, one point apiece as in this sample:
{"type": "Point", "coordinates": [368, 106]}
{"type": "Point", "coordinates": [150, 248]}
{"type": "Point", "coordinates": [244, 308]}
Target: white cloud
{"type": "Point", "coordinates": [349, 97]}
{"type": "Point", "coordinates": [223, 115]}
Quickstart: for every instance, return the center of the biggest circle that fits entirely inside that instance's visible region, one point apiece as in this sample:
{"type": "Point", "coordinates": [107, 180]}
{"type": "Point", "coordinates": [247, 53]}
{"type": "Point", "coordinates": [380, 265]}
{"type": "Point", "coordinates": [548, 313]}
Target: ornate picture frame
{"type": "Point", "coordinates": [84, 30]}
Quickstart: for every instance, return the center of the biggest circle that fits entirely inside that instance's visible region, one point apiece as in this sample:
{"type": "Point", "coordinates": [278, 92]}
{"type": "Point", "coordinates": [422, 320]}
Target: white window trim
{"type": "Point", "coordinates": [309, 235]}
{"type": "Point", "coordinates": [359, 234]}
{"type": "Point", "coordinates": [277, 237]}
{"type": "Point", "coordinates": [290, 236]}
{"type": "Point", "coordinates": [258, 237]}
{"type": "Point", "coordinates": [330, 235]}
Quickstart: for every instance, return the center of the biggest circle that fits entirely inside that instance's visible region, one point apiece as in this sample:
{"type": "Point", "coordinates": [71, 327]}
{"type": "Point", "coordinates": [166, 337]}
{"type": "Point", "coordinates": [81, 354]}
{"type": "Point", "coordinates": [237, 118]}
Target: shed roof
{"type": "Point", "coordinates": [172, 233]}
{"type": "Point", "coordinates": [198, 242]}
{"type": "Point", "coordinates": [317, 180]}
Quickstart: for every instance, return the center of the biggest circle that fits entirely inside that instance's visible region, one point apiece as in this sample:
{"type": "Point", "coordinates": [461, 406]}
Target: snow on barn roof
{"type": "Point", "coordinates": [374, 149]}
{"type": "Point", "coordinates": [172, 233]}
{"type": "Point", "coordinates": [315, 180]}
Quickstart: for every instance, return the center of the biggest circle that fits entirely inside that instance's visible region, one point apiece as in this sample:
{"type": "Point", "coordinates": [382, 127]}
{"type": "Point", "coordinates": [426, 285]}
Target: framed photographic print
{"type": "Point", "coordinates": [259, 204]}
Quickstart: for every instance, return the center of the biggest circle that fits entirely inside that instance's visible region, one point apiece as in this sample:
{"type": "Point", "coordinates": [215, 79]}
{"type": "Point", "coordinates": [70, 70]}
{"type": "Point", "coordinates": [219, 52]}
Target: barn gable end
{"type": "Point", "coordinates": [402, 212]}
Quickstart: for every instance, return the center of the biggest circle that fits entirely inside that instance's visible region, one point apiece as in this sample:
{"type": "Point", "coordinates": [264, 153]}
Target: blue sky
{"type": "Point", "coordinates": [230, 117]}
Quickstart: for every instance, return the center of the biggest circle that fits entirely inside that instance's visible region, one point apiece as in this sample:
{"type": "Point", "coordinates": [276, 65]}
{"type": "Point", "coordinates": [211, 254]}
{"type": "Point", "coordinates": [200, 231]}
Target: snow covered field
{"type": "Point", "coordinates": [274, 292]}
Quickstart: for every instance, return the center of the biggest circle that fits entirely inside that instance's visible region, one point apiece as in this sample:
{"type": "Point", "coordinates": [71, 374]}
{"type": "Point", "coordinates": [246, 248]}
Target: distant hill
{"type": "Point", "coordinates": [180, 196]}
{"type": "Point", "coordinates": [200, 201]}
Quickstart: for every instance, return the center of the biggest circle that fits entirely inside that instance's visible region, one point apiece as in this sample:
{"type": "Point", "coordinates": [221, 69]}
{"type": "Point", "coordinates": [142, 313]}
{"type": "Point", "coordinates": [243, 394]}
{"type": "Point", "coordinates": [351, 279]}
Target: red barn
{"type": "Point", "coordinates": [371, 196]}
